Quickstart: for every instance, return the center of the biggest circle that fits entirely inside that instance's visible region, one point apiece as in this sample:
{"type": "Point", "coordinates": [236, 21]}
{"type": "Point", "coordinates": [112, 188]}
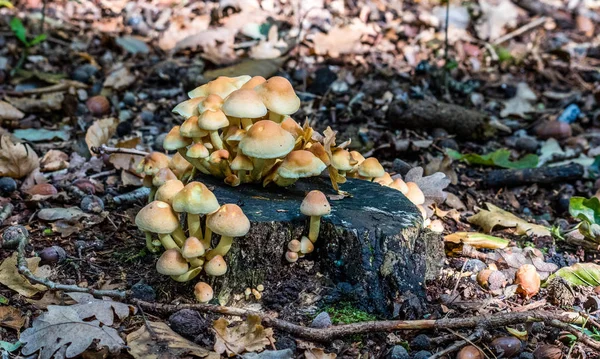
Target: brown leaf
{"type": "Point", "coordinates": [249, 336]}
{"type": "Point", "coordinates": [100, 132]}
{"type": "Point", "coordinates": [10, 317]}
{"type": "Point", "coordinates": [496, 15]}
{"type": "Point", "coordinates": [216, 44]}
{"type": "Point", "coordinates": [9, 113]}
{"type": "Point", "coordinates": [124, 161]}
{"type": "Point", "coordinates": [46, 103]}
{"type": "Point", "coordinates": [10, 276]}
{"type": "Point", "coordinates": [120, 79]}
{"type": "Point", "coordinates": [181, 27]}
{"type": "Point", "coordinates": [343, 39]}
{"type": "Point", "coordinates": [130, 179]}
{"type": "Point", "coordinates": [318, 353]}
{"type": "Point", "coordinates": [54, 160]}
{"type": "Point", "coordinates": [16, 160]}
{"type": "Point", "coordinates": [51, 298]}
{"type": "Point", "coordinates": [163, 342]}
{"type": "Point", "coordinates": [495, 216]}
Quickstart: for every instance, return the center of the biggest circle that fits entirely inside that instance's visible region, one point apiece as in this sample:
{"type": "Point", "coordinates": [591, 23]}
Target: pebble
{"type": "Point", "coordinates": [129, 99]}
{"type": "Point", "coordinates": [400, 166]}
{"type": "Point", "coordinates": [339, 87]}
{"type": "Point", "coordinates": [188, 323]}
{"type": "Point", "coordinates": [448, 143]}
{"type": "Point", "coordinates": [423, 354]}
{"type": "Point", "coordinates": [13, 235]}
{"type": "Point", "coordinates": [147, 117]}
{"type": "Point", "coordinates": [92, 204]}
{"type": "Point", "coordinates": [526, 355]}
{"type": "Point", "coordinates": [299, 75]}
{"type": "Point", "coordinates": [527, 144]}
{"type": "Point", "coordinates": [553, 129]}
{"type": "Point", "coordinates": [398, 352]}
{"type": "Point", "coordinates": [570, 114]}
{"type": "Point", "coordinates": [143, 291]}
{"type": "Point", "coordinates": [124, 128]}
{"type": "Point", "coordinates": [270, 354]}
{"type": "Point", "coordinates": [125, 115]}
{"type": "Point", "coordinates": [322, 320]}
{"type": "Point", "coordinates": [7, 186]}
{"type": "Point", "coordinates": [82, 95]}
{"type": "Point", "coordinates": [420, 342]}
{"type": "Point", "coordinates": [98, 105]}
{"type": "Point", "coordinates": [439, 133]}
{"type": "Point", "coordinates": [475, 266]}
{"type": "Point", "coordinates": [84, 73]}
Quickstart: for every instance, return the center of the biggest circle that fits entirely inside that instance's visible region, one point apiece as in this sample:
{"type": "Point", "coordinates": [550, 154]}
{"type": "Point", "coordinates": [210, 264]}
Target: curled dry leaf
{"type": "Point", "coordinates": [54, 160]}
{"type": "Point", "coordinates": [120, 79]}
{"type": "Point", "coordinates": [46, 103]}
{"type": "Point", "coordinates": [249, 336]}
{"type": "Point", "coordinates": [10, 276]}
{"type": "Point", "coordinates": [520, 104]}
{"type": "Point", "coordinates": [100, 132]}
{"type": "Point", "coordinates": [495, 216]}
{"type": "Point", "coordinates": [344, 39]}
{"type": "Point", "coordinates": [17, 160]}
{"type": "Point", "coordinates": [10, 317]}
{"type": "Point", "coordinates": [9, 113]}
{"type": "Point", "coordinates": [318, 353]}
{"type": "Point", "coordinates": [477, 240]}
{"type": "Point", "coordinates": [496, 16]}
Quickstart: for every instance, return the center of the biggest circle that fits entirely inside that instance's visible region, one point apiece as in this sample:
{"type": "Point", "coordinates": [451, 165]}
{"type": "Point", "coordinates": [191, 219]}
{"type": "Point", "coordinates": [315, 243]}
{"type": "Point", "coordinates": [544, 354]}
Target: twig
{"type": "Point", "coordinates": [109, 150]}
{"type": "Point", "coordinates": [523, 29]}
{"type": "Point", "coordinates": [6, 212]}
{"type": "Point", "coordinates": [102, 174]}
{"type": "Point", "coordinates": [459, 344]}
{"type": "Point", "coordinates": [140, 193]}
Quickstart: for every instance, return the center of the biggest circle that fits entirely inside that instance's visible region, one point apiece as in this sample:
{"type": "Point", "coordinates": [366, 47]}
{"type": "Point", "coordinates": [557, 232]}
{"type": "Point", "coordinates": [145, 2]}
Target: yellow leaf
{"type": "Point", "coordinates": [521, 335]}
{"type": "Point", "coordinates": [100, 132]}
{"type": "Point", "coordinates": [477, 240]}
{"type": "Point", "coordinates": [17, 160]}
{"type": "Point", "coordinates": [249, 336]}
{"type": "Point", "coordinates": [494, 216]}
{"type": "Point", "coordinates": [10, 276]}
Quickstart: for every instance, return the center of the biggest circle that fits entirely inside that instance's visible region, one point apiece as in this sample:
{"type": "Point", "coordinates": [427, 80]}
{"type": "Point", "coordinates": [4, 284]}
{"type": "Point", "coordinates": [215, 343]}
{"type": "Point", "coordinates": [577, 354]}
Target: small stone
{"type": "Point", "coordinates": [475, 266]}
{"type": "Point", "coordinates": [322, 320]}
{"type": "Point", "coordinates": [398, 352]}
{"type": "Point", "coordinates": [125, 115]}
{"type": "Point", "coordinates": [124, 128]}
{"type": "Point", "coordinates": [188, 323]}
{"type": "Point", "coordinates": [506, 347]}
{"type": "Point", "coordinates": [527, 144]}
{"type": "Point", "coordinates": [439, 133]}
{"type": "Point", "coordinates": [270, 354]}
{"type": "Point", "coordinates": [158, 142]}
{"type": "Point", "coordinates": [420, 342]}
{"type": "Point", "coordinates": [400, 166]}
{"type": "Point", "coordinates": [448, 143]}
{"type": "Point", "coordinates": [143, 291]}
{"type": "Point", "coordinates": [286, 343]}
{"type": "Point", "coordinates": [7, 186]}
{"type": "Point", "coordinates": [92, 204]}
{"type": "Point", "coordinates": [129, 99]}
{"type": "Point", "coordinates": [526, 355]}
{"type": "Point", "coordinates": [82, 95]}
{"type": "Point", "coordinates": [147, 117]}
{"type": "Point", "coordinates": [423, 354]}
{"type": "Point", "coordinates": [98, 105]}
{"type": "Point", "coordinates": [339, 86]}
{"type": "Point", "coordinates": [554, 129]}
{"type": "Point", "coordinates": [54, 254]}
{"type": "Point", "coordinates": [300, 75]}
{"type": "Point", "coordinates": [84, 73]}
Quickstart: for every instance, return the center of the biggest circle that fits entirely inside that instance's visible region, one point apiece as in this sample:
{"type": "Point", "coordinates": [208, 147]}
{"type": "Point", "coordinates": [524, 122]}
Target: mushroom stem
{"type": "Point", "coordinates": [194, 228]}
{"type": "Point", "coordinates": [167, 241]}
{"type": "Point", "coordinates": [179, 236]}
{"type": "Point", "coordinates": [207, 237]}
{"type": "Point", "coordinates": [152, 193]}
{"type": "Point", "coordinates": [216, 140]}
{"type": "Point", "coordinates": [246, 123]}
{"type": "Point", "coordinates": [315, 225]}
{"type": "Point", "coordinates": [221, 249]}
{"type": "Point", "coordinates": [196, 262]}
{"type": "Point", "coordinates": [259, 164]}
{"type": "Point", "coordinates": [187, 276]}
{"type": "Point", "coordinates": [150, 243]}
{"type": "Point", "coordinates": [275, 117]}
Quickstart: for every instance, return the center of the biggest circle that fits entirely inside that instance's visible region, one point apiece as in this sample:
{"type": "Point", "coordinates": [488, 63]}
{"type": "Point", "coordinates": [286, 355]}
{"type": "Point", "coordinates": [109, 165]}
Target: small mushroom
{"type": "Point", "coordinates": [400, 185]}
{"type": "Point", "coordinates": [216, 266]}
{"type": "Point", "coordinates": [306, 246]}
{"type": "Point", "coordinates": [342, 161]}
{"type": "Point", "coordinates": [253, 82]}
{"type": "Point", "coordinates": [168, 191]}
{"type": "Point", "coordinates": [192, 249]}
{"type": "Point", "coordinates": [189, 128]}
{"type": "Point", "coordinates": [195, 199]}
{"type": "Point", "coordinates": [241, 165]}
{"type": "Point", "coordinates": [370, 168]}
{"type": "Point", "coordinates": [212, 102]}
{"type": "Point", "coordinates": [229, 221]}
{"type": "Point", "coordinates": [188, 108]}
{"type": "Point", "coordinates": [180, 166]}
{"type": "Point", "coordinates": [279, 97]}
{"type": "Point", "coordinates": [213, 121]}
{"type": "Point", "coordinates": [528, 280]}
{"type": "Point", "coordinates": [171, 263]}
{"type": "Point", "coordinates": [256, 294]}
{"type": "Point", "coordinates": [221, 86]}
{"type": "Point", "coordinates": [315, 205]}
{"type": "Point", "coordinates": [384, 180]}
{"type": "Point", "coordinates": [294, 245]}
{"type": "Point", "coordinates": [297, 164]}
{"type": "Point", "coordinates": [158, 217]}
{"type": "Point", "coordinates": [203, 292]}
{"type": "Point", "coordinates": [291, 256]}
{"type": "Point", "coordinates": [415, 195]}
{"type": "Point", "coordinates": [163, 175]}
{"type": "Point", "coordinates": [246, 105]}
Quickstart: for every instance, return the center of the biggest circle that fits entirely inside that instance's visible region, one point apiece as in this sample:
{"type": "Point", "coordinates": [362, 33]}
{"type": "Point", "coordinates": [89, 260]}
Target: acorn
{"type": "Point", "coordinates": [98, 105]}
{"type": "Point", "coordinates": [42, 189]}
{"type": "Point", "coordinates": [506, 347]}
{"type": "Point", "coordinates": [554, 129]}
{"type": "Point", "coordinates": [54, 254]}
{"type": "Point", "coordinates": [548, 352]}
{"type": "Point", "coordinates": [483, 276]}
{"type": "Point", "coordinates": [528, 281]}
{"type": "Point", "coordinates": [469, 352]}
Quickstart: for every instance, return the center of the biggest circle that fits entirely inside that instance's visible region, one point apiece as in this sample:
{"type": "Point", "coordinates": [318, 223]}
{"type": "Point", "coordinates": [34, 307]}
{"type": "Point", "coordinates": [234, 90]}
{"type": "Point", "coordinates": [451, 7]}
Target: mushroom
{"type": "Point", "coordinates": [291, 256]}
{"type": "Point", "coordinates": [218, 160]}
{"type": "Point", "coordinates": [315, 205]}
{"type": "Point", "coordinates": [254, 81]}
{"type": "Point", "coordinates": [306, 245]}
{"type": "Point", "coordinates": [198, 153]}
{"type": "Point", "coordinates": [298, 164]}
{"type": "Point", "coordinates": [414, 194]}
{"type": "Point", "coordinates": [171, 263]}
{"type": "Point", "coordinates": [241, 165]}
{"type": "Point", "coordinates": [188, 108]}
{"type": "Point", "coordinates": [211, 102]}
{"type": "Point", "coordinates": [229, 221]}
{"type": "Point", "coordinates": [213, 121]}
{"type": "Point", "coordinates": [399, 185]}
{"type": "Point", "coordinates": [158, 217]}
{"type": "Point", "coordinates": [192, 249]}
{"type": "Point", "coordinates": [246, 105]}
{"type": "Point", "coordinates": [221, 86]}
{"type": "Point", "coordinates": [292, 127]}
{"type": "Point", "coordinates": [174, 140]}
{"type": "Point", "coordinates": [370, 168]}
{"type": "Point", "coordinates": [203, 292]}
{"type": "Point", "coordinates": [384, 180]}
{"type": "Point", "coordinates": [294, 245]}
{"type": "Point", "coordinates": [168, 191]}
{"type": "Point", "coordinates": [195, 199]}
{"type": "Point", "coordinates": [189, 128]}
{"type": "Point", "coordinates": [216, 266]}
{"type": "Point", "coordinates": [342, 161]}
{"type": "Point", "coordinates": [162, 176]}
{"type": "Point", "coordinates": [279, 97]}
{"type": "Point", "coordinates": [180, 166]}
{"type": "Point", "coordinates": [264, 141]}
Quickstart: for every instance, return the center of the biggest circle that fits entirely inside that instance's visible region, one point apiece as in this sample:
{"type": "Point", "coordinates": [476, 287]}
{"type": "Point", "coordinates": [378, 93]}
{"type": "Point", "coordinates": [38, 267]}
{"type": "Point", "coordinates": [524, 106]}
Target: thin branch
{"type": "Point", "coordinates": [6, 211]}
{"type": "Point", "coordinates": [459, 344]}
{"type": "Point", "coordinates": [137, 194]}
{"type": "Point", "coordinates": [523, 29]}
{"type": "Point", "coordinates": [104, 149]}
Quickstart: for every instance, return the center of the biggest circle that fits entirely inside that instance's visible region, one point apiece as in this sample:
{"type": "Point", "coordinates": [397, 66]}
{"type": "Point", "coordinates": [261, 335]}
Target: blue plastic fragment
{"type": "Point", "coordinates": [570, 114]}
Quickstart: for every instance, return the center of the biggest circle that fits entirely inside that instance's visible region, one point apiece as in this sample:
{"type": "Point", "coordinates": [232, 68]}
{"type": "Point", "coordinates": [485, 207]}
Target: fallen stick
{"type": "Point", "coordinates": [104, 149]}
{"type": "Point", "coordinates": [540, 175]}
{"type": "Point", "coordinates": [523, 29]}
{"type": "Point", "coordinates": [459, 344]}
{"type": "Point", "coordinates": [137, 194]}
{"type": "Point", "coordinates": [6, 211]}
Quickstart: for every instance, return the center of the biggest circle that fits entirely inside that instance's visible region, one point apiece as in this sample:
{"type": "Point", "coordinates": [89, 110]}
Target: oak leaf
{"type": "Point", "coordinates": [494, 216]}
{"type": "Point", "coordinates": [100, 132]}
{"type": "Point", "coordinates": [10, 276]}
{"type": "Point", "coordinates": [249, 336]}
{"type": "Point", "coordinates": [10, 317]}
{"type": "Point", "coordinates": [17, 160]}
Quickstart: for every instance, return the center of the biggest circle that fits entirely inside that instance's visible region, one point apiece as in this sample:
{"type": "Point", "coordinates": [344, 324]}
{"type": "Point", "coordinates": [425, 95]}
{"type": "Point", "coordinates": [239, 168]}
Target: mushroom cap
{"type": "Point", "coordinates": [154, 161]}
{"type": "Point", "coordinates": [174, 140]}
{"type": "Point", "coordinates": [342, 161]}
{"type": "Point", "coordinates": [371, 168]}
{"type": "Point", "coordinates": [318, 150]}
{"type": "Point", "coordinates": [234, 135]}
{"type": "Point", "coordinates": [414, 194]}
{"type": "Point", "coordinates": [179, 165]}
{"type": "Point", "coordinates": [266, 139]}
{"type": "Point", "coordinates": [171, 262]}
{"type": "Point", "coordinates": [294, 245]}
{"type": "Point", "coordinates": [218, 156]}
{"type": "Point", "coordinates": [253, 82]}
{"type": "Point", "coordinates": [221, 86]}
{"type": "Point", "coordinates": [216, 266]}
{"type": "Point", "coordinates": [299, 164]}
{"type": "Point", "coordinates": [162, 176]}
{"type": "Point", "coordinates": [211, 102]}
{"type": "Point", "coordinates": [384, 180]}
{"type": "Point", "coordinates": [192, 248]}
{"type": "Point", "coordinates": [241, 162]}
{"type": "Point", "coordinates": [278, 95]}
{"type": "Point", "coordinates": [168, 191]}
{"type": "Point", "coordinates": [229, 221]}
{"type": "Point", "coordinates": [197, 150]}
{"type": "Point", "coordinates": [291, 126]}
{"type": "Point", "coordinates": [188, 108]}
{"type": "Point", "coordinates": [400, 185]}
{"type": "Point", "coordinates": [157, 217]}
{"type": "Point", "coordinates": [189, 128]}
{"type": "Point", "coordinates": [306, 245]}
{"type": "Point", "coordinates": [203, 292]}
{"type": "Point", "coordinates": [244, 104]}
{"type": "Point", "coordinates": [315, 204]}
{"type": "Point", "coordinates": [195, 198]}
{"type": "Point", "coordinates": [213, 120]}
{"type": "Point", "coordinates": [232, 180]}
{"type": "Point", "coordinates": [291, 256]}
{"type": "Point", "coordinates": [357, 156]}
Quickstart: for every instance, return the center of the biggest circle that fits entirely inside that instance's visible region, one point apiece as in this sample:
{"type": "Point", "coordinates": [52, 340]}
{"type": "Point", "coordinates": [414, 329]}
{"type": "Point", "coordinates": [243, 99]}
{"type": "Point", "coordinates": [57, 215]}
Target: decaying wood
{"type": "Point", "coordinates": [540, 175]}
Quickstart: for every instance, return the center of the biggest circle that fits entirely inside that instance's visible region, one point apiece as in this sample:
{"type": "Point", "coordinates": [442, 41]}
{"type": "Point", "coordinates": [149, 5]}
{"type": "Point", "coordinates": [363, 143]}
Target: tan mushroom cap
{"type": "Point", "coordinates": [244, 104]}
{"type": "Point", "coordinates": [278, 95]}
{"type": "Point", "coordinates": [171, 262]}
{"type": "Point", "coordinates": [188, 108]}
{"type": "Point", "coordinates": [221, 86]}
{"type": "Point", "coordinates": [356, 156]}
{"type": "Point", "coordinates": [213, 120]}
{"type": "Point", "coordinates": [234, 135]}
{"type": "Point", "coordinates": [197, 150]}
{"type": "Point", "coordinates": [162, 176]}
{"type": "Point", "coordinates": [218, 156]}
{"type": "Point", "coordinates": [384, 180]}
{"type": "Point", "coordinates": [241, 162]}
{"type": "Point", "coordinates": [415, 195]}
{"type": "Point", "coordinates": [299, 164]}
{"type": "Point", "coordinates": [291, 126]}
{"type": "Point", "coordinates": [254, 81]}
{"type": "Point", "coordinates": [291, 256]}
{"type": "Point", "coordinates": [216, 266]}
{"type": "Point", "coordinates": [157, 217]}
{"type": "Point", "coordinates": [315, 204]}
{"type": "Point", "coordinates": [399, 185]}
{"type": "Point", "coordinates": [195, 198]}
{"type": "Point", "coordinates": [211, 102]}
{"type": "Point", "coordinates": [229, 221]}
{"type": "Point", "coordinates": [266, 139]}
{"type": "Point", "coordinates": [154, 161]}
{"type": "Point", "coordinates": [192, 248]}
{"type": "Point", "coordinates": [189, 128]}
{"type": "Point", "coordinates": [168, 191]}
{"type": "Point", "coordinates": [294, 245]}
{"type": "Point", "coordinates": [342, 161]}
{"type": "Point", "coordinates": [179, 165]}
{"type": "Point", "coordinates": [371, 168]}
{"type": "Point", "coordinates": [174, 140]}
{"type": "Point", "coordinates": [203, 292]}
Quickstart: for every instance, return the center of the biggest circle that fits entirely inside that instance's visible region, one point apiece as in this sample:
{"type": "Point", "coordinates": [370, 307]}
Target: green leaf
{"type": "Point", "coordinates": [19, 30]}
{"type": "Point", "coordinates": [503, 54]}
{"type": "Point", "coordinates": [6, 3]}
{"type": "Point", "coordinates": [10, 347]}
{"type": "Point", "coordinates": [36, 40]}
{"type": "Point", "coordinates": [585, 209]}
{"type": "Point", "coordinates": [586, 274]}
{"type": "Point", "coordinates": [499, 158]}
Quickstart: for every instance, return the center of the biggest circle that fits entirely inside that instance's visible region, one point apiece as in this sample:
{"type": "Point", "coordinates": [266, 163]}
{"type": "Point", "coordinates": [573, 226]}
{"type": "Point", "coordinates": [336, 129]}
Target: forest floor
{"type": "Point", "coordinates": [524, 79]}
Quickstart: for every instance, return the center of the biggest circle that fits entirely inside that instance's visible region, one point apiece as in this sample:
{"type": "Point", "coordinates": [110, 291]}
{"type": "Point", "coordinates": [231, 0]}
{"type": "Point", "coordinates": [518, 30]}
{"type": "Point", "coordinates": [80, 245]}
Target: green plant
{"type": "Point", "coordinates": [17, 27]}
{"type": "Point", "coordinates": [347, 313]}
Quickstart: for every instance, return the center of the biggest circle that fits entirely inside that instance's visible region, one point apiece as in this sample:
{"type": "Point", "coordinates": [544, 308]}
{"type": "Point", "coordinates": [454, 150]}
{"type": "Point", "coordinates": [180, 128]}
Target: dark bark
{"type": "Point", "coordinates": [540, 175]}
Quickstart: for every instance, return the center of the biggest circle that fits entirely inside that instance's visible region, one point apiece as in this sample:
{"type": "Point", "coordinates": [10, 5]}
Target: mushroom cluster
{"type": "Point", "coordinates": [189, 249]}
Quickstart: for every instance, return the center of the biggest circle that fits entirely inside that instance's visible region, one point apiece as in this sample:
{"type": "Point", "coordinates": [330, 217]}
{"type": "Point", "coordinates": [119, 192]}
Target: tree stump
{"type": "Point", "coordinates": [371, 240]}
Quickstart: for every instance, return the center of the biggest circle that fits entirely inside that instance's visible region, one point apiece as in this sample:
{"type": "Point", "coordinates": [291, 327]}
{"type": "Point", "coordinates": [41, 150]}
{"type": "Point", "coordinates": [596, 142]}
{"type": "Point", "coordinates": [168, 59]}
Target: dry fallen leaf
{"type": "Point", "coordinates": [343, 39]}
{"type": "Point", "coordinates": [163, 342]}
{"type": "Point", "coordinates": [10, 317]}
{"type": "Point", "coordinates": [496, 16]}
{"type": "Point", "coordinates": [120, 79]}
{"type": "Point", "coordinates": [216, 45]}
{"type": "Point", "coordinates": [317, 353]}
{"type": "Point", "coordinates": [9, 113]}
{"type": "Point", "coordinates": [100, 132]}
{"type": "Point", "coordinates": [520, 104]}
{"type": "Point", "coordinates": [51, 298]}
{"type": "Point", "coordinates": [249, 336]}
{"type": "Point", "coordinates": [181, 27]}
{"type": "Point", "coordinates": [54, 160]}
{"type": "Point", "coordinates": [494, 216]}
{"type": "Point", "coordinates": [16, 160]}
{"type": "Point", "coordinates": [46, 103]}
{"type": "Point", "coordinates": [10, 276]}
